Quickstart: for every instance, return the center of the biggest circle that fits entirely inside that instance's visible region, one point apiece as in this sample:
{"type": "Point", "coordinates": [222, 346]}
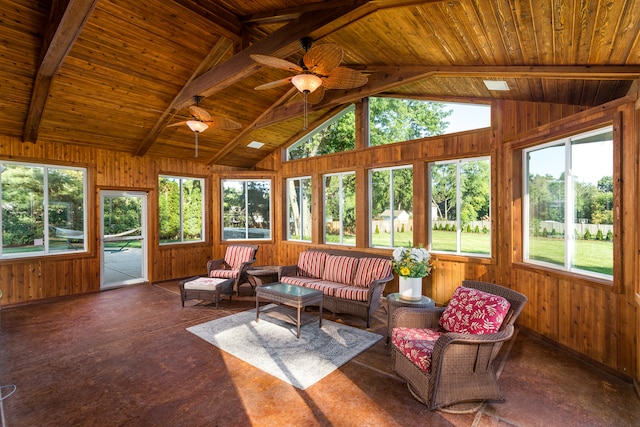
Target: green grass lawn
{"type": "Point", "coordinates": [590, 255]}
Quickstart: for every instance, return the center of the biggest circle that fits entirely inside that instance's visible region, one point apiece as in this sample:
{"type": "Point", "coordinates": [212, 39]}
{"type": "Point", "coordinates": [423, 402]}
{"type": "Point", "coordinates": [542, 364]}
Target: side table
{"type": "Point", "coordinates": [394, 301]}
{"type": "Point", "coordinates": [262, 274]}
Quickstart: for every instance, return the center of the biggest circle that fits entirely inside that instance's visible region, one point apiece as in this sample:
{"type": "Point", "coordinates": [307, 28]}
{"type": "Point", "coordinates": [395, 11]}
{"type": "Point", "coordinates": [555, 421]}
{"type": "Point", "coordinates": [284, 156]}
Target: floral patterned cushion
{"type": "Point", "coordinates": [416, 344]}
{"type": "Point", "coordinates": [471, 311]}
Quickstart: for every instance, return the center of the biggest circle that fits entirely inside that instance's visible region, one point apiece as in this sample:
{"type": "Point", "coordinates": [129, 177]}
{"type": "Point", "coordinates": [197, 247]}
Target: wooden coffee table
{"type": "Point", "coordinates": [289, 295]}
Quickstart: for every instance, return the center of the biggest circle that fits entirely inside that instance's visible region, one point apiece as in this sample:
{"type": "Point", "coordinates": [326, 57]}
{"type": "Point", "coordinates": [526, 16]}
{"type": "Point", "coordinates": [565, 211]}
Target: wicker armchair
{"type": "Point", "coordinates": [459, 375]}
{"type": "Point", "coordinates": [237, 260]}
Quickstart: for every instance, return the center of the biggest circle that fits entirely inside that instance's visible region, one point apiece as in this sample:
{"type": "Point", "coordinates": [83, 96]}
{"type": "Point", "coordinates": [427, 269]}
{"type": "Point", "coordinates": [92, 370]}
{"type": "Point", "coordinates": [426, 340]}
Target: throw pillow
{"type": "Point", "coordinates": [370, 269]}
{"type": "Point", "coordinates": [340, 269]}
{"type": "Point", "coordinates": [311, 264]}
{"type": "Point", "coordinates": [471, 311]}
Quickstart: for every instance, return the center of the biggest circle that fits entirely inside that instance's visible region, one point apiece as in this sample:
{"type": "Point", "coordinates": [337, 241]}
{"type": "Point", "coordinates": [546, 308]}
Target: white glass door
{"type": "Point", "coordinates": [123, 241]}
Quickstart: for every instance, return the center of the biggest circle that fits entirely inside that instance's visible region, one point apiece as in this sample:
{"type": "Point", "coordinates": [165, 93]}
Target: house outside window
{"type": "Point", "coordinates": [340, 208]}
{"type": "Point", "coordinates": [461, 206]}
{"type": "Point", "coordinates": [181, 209]}
{"type": "Point", "coordinates": [568, 204]}
{"type": "Point", "coordinates": [43, 209]}
{"type": "Point", "coordinates": [299, 208]}
{"type": "Point", "coordinates": [246, 209]}
{"type": "Point", "coordinates": [391, 199]}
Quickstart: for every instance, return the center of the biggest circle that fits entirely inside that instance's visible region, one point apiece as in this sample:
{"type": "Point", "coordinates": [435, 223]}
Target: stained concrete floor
{"type": "Point", "coordinates": [123, 358]}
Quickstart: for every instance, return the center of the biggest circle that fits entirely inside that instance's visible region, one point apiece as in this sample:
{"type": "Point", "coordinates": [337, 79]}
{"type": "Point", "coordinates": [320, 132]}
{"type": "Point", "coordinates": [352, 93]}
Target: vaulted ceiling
{"type": "Point", "coordinates": [114, 73]}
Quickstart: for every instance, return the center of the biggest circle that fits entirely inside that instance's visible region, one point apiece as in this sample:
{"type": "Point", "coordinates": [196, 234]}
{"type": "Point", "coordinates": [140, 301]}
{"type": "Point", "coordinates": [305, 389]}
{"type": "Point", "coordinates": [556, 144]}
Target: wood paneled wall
{"type": "Point", "coordinates": [594, 318]}
{"type": "Point", "coordinates": [31, 279]}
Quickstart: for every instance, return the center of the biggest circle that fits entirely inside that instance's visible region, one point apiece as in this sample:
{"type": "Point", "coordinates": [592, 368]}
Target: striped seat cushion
{"type": "Point", "coordinates": [353, 293]}
{"type": "Point", "coordinates": [370, 269]}
{"type": "Point", "coordinates": [311, 264]}
{"type": "Point", "coordinates": [327, 288]}
{"type": "Point", "coordinates": [340, 269]}
{"type": "Point", "coordinates": [236, 255]}
{"type": "Point", "coordinates": [298, 280]}
{"type": "Point", "coordinates": [226, 274]}
{"type": "Point", "coordinates": [416, 344]}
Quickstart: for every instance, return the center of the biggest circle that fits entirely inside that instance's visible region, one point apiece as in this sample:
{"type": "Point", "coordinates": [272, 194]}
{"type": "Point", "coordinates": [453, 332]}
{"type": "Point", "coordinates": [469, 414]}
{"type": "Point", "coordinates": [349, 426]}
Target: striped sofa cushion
{"type": "Point", "coordinates": [327, 288]}
{"type": "Point", "coordinates": [340, 269]}
{"type": "Point", "coordinates": [353, 293]}
{"type": "Point", "coordinates": [236, 255]}
{"type": "Point", "coordinates": [298, 280]}
{"type": "Point", "coordinates": [370, 269]}
{"type": "Point", "coordinates": [311, 263]}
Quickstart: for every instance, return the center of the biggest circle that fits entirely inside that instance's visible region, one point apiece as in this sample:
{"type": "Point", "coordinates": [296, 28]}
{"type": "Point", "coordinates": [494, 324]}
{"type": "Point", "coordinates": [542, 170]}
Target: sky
{"type": "Point", "coordinates": [468, 116]}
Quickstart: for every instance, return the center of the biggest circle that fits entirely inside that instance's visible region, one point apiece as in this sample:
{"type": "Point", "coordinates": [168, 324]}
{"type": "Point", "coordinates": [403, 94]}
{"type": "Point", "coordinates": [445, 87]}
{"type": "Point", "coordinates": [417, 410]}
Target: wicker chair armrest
{"type": "Point", "coordinates": [287, 270]}
{"type": "Point", "coordinates": [246, 265]}
{"type": "Point", "coordinates": [215, 264]}
{"type": "Point", "coordinates": [456, 338]}
{"type": "Point", "coordinates": [408, 317]}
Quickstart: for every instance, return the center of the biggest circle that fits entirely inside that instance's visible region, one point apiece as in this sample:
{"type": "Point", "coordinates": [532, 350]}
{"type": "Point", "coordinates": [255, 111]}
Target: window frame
{"type": "Point", "coordinates": [341, 207]}
{"type": "Point", "coordinates": [569, 198]}
{"type": "Point", "coordinates": [458, 163]}
{"type": "Point", "coordinates": [391, 170]}
{"type": "Point", "coordinates": [46, 251]}
{"type": "Point", "coordinates": [245, 182]}
{"type": "Point", "coordinates": [202, 210]}
{"type": "Point", "coordinates": [300, 206]}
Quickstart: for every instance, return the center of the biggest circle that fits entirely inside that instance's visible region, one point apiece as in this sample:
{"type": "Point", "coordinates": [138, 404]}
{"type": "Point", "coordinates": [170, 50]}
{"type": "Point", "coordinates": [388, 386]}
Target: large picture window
{"type": "Point", "coordinates": [43, 209]}
{"type": "Point", "coordinates": [568, 204]}
{"type": "Point", "coordinates": [461, 206]}
{"type": "Point", "coordinates": [391, 207]}
{"type": "Point", "coordinates": [181, 209]}
{"type": "Point", "coordinates": [340, 208]}
{"type": "Point", "coordinates": [334, 136]}
{"type": "Point", "coordinates": [299, 209]}
{"type": "Point", "coordinates": [246, 211]}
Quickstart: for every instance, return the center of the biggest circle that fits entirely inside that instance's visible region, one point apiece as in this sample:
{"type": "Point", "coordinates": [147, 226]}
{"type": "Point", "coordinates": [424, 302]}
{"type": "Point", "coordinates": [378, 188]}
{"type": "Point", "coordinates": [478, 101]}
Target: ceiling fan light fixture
{"type": "Point", "coordinates": [197, 125]}
{"type": "Point", "coordinates": [306, 82]}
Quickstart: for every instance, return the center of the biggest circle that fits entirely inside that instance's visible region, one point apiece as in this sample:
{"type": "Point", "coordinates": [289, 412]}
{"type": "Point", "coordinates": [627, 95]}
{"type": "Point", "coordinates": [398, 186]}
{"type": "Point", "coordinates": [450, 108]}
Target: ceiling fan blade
{"type": "Point", "coordinates": [316, 96]}
{"type": "Point", "coordinates": [323, 58]}
{"type": "Point", "coordinates": [199, 113]}
{"type": "Point", "coordinates": [222, 123]}
{"type": "Point", "coordinates": [344, 78]}
{"type": "Point", "coordinates": [272, 61]}
{"type": "Point", "coordinates": [177, 124]}
{"type": "Point", "coordinates": [277, 83]}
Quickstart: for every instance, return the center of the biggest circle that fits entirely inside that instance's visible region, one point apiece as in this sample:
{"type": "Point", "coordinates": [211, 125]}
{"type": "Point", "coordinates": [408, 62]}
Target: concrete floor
{"type": "Point", "coordinates": [123, 358]}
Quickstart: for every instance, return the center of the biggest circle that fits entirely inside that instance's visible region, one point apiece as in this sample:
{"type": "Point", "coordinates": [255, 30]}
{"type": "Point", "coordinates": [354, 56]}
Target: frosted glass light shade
{"type": "Point", "coordinates": [197, 126]}
{"type": "Point", "coordinates": [306, 82]}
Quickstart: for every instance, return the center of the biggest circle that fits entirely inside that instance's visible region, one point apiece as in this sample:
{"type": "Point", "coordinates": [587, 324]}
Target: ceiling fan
{"type": "Point", "coordinates": [319, 69]}
{"type": "Point", "coordinates": [201, 120]}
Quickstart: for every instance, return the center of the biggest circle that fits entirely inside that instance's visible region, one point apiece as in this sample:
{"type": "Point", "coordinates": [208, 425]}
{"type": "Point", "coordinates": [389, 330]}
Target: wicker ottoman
{"type": "Point", "coordinates": [206, 288]}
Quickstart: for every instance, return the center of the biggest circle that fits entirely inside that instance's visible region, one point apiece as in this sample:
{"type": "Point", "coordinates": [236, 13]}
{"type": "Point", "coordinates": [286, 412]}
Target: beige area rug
{"type": "Point", "coordinates": [271, 344]}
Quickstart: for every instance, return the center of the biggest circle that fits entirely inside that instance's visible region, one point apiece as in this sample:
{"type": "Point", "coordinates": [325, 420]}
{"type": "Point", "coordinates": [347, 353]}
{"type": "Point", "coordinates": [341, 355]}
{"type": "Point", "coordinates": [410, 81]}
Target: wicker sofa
{"type": "Point", "coordinates": [352, 282]}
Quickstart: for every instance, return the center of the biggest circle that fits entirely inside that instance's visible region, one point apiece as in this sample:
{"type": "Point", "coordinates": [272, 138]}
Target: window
{"type": "Point", "coordinates": [335, 135]}
{"type": "Point", "coordinates": [43, 209]}
{"type": "Point", "coordinates": [299, 208]}
{"type": "Point", "coordinates": [181, 209]}
{"type": "Point", "coordinates": [461, 206]}
{"type": "Point", "coordinates": [391, 207]}
{"type": "Point", "coordinates": [397, 120]}
{"type": "Point", "coordinates": [340, 208]}
{"type": "Point", "coordinates": [246, 211]}
{"type": "Point", "coordinates": [568, 204]}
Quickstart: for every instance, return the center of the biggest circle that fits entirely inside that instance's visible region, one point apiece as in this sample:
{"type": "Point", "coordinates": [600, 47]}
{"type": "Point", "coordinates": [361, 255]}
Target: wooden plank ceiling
{"type": "Point", "coordinates": [115, 73]}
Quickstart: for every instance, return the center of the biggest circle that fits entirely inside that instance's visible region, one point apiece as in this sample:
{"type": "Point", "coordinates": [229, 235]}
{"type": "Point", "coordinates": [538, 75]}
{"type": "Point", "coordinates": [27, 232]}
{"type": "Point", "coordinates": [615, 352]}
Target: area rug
{"type": "Point", "coordinates": [271, 344]}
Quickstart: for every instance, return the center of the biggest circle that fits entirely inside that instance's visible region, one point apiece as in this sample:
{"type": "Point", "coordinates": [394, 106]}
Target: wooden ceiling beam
{"type": "Point", "coordinates": [66, 20]}
{"type": "Point", "coordinates": [558, 72]}
{"type": "Point", "coordinates": [215, 56]}
{"type": "Point", "coordinates": [226, 23]}
{"type": "Point", "coordinates": [387, 78]}
{"type": "Point", "coordinates": [288, 14]}
{"type": "Point", "coordinates": [248, 129]}
{"type": "Point", "coordinates": [282, 43]}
